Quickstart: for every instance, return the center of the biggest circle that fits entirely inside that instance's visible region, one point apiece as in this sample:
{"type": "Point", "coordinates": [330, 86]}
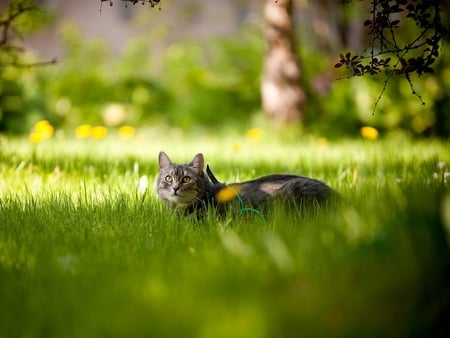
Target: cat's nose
{"type": "Point", "coordinates": [175, 188]}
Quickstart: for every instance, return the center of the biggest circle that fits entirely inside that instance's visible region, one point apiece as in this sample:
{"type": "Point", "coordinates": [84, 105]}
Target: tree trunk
{"type": "Point", "coordinates": [282, 95]}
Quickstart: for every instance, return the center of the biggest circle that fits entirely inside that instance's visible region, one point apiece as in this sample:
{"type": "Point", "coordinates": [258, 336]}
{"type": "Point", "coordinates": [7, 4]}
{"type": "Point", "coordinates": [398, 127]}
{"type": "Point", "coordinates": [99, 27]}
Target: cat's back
{"type": "Point", "coordinates": [295, 188]}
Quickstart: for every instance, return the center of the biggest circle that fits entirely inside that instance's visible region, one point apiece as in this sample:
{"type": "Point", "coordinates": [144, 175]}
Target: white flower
{"type": "Point", "coordinates": [142, 185]}
{"type": "Point", "coordinates": [441, 165]}
{"type": "Point", "coordinates": [446, 177]}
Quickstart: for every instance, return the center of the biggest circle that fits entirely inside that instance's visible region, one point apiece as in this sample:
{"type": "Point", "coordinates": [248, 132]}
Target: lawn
{"type": "Point", "coordinates": [87, 250]}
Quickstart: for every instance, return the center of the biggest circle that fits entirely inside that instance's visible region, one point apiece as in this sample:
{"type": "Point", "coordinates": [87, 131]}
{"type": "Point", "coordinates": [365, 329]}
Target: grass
{"type": "Point", "coordinates": [85, 251]}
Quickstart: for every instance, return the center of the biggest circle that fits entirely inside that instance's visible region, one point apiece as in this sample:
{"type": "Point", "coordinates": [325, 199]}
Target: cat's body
{"type": "Point", "coordinates": [189, 188]}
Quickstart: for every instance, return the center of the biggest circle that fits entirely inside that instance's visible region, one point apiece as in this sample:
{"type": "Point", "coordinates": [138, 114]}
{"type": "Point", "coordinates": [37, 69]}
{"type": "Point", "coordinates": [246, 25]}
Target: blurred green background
{"type": "Point", "coordinates": [86, 248]}
{"type": "Point", "coordinates": [178, 67]}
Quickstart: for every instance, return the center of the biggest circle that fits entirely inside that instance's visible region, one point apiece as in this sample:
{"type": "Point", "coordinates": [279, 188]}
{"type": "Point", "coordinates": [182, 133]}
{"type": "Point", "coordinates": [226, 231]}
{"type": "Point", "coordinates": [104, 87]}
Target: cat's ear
{"type": "Point", "coordinates": [198, 162]}
{"type": "Point", "coordinates": [164, 160]}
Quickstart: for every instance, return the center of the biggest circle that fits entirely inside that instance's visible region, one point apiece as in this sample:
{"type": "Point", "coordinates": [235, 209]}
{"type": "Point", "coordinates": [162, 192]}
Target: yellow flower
{"type": "Point", "coordinates": [35, 137]}
{"type": "Point", "coordinates": [45, 128]}
{"type": "Point", "coordinates": [83, 131]}
{"type": "Point", "coordinates": [99, 132]}
{"type": "Point", "coordinates": [369, 133]}
{"type": "Point", "coordinates": [126, 132]}
{"type": "Point", "coordinates": [227, 193]}
{"type": "Point", "coordinates": [254, 134]}
{"type": "Point", "coordinates": [42, 124]}
{"type": "Point", "coordinates": [42, 130]}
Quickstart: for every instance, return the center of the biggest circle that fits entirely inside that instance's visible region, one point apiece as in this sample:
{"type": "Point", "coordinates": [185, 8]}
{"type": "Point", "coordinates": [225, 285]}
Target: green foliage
{"type": "Point", "coordinates": [216, 82]}
{"type": "Point", "coordinates": [17, 19]}
{"type": "Point", "coordinates": [207, 84]}
{"type": "Point", "coordinates": [89, 79]}
{"type": "Point", "coordinates": [85, 252]}
{"type": "Point", "coordinates": [347, 104]}
{"type": "Point", "coordinates": [199, 85]}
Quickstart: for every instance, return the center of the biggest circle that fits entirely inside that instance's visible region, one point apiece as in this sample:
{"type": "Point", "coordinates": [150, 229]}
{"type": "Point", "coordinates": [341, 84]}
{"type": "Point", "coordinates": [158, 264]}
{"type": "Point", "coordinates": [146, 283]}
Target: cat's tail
{"type": "Point", "coordinates": [211, 176]}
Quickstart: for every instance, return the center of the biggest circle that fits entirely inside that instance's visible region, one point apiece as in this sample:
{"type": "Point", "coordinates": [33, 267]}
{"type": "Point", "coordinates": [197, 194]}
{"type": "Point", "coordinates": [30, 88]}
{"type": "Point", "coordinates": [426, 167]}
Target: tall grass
{"type": "Point", "coordinates": [86, 251]}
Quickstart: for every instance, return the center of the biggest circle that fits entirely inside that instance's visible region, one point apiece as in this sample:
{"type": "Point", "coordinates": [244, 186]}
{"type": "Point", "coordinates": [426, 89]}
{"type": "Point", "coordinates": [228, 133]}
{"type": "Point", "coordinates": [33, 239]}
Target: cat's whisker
{"type": "Point", "coordinates": [187, 194]}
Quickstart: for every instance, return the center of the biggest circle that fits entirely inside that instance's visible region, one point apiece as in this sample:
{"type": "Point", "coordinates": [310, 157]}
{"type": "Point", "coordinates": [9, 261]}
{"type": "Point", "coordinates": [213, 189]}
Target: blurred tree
{"type": "Point", "coordinates": [17, 18]}
{"type": "Point", "coordinates": [281, 92]}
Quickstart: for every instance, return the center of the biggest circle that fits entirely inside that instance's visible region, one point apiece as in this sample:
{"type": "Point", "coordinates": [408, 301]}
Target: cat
{"type": "Point", "coordinates": [189, 189]}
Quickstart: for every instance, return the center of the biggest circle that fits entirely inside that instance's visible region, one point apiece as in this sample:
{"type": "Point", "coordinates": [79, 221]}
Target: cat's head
{"type": "Point", "coordinates": [181, 185]}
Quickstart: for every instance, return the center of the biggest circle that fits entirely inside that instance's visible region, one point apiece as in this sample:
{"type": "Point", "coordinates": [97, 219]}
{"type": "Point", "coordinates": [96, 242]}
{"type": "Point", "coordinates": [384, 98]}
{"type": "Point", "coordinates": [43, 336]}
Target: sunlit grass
{"type": "Point", "coordinates": [87, 250]}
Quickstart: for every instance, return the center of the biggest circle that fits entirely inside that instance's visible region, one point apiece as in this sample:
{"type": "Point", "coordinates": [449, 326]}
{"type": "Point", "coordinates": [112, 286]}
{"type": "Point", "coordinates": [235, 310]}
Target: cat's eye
{"type": "Point", "coordinates": [186, 179]}
{"type": "Point", "coordinates": [168, 179]}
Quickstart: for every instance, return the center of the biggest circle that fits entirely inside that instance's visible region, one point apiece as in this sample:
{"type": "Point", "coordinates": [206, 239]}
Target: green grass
{"type": "Point", "coordinates": [85, 253]}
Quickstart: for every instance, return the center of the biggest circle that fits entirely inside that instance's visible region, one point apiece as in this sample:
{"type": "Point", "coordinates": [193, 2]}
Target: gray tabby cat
{"type": "Point", "coordinates": [187, 187]}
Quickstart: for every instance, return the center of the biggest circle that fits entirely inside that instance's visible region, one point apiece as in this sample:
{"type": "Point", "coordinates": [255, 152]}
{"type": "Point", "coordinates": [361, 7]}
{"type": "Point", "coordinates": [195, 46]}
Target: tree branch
{"type": "Point", "coordinates": [9, 31]}
{"type": "Point", "coordinates": [422, 51]}
{"type": "Point", "coordinates": [152, 3]}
